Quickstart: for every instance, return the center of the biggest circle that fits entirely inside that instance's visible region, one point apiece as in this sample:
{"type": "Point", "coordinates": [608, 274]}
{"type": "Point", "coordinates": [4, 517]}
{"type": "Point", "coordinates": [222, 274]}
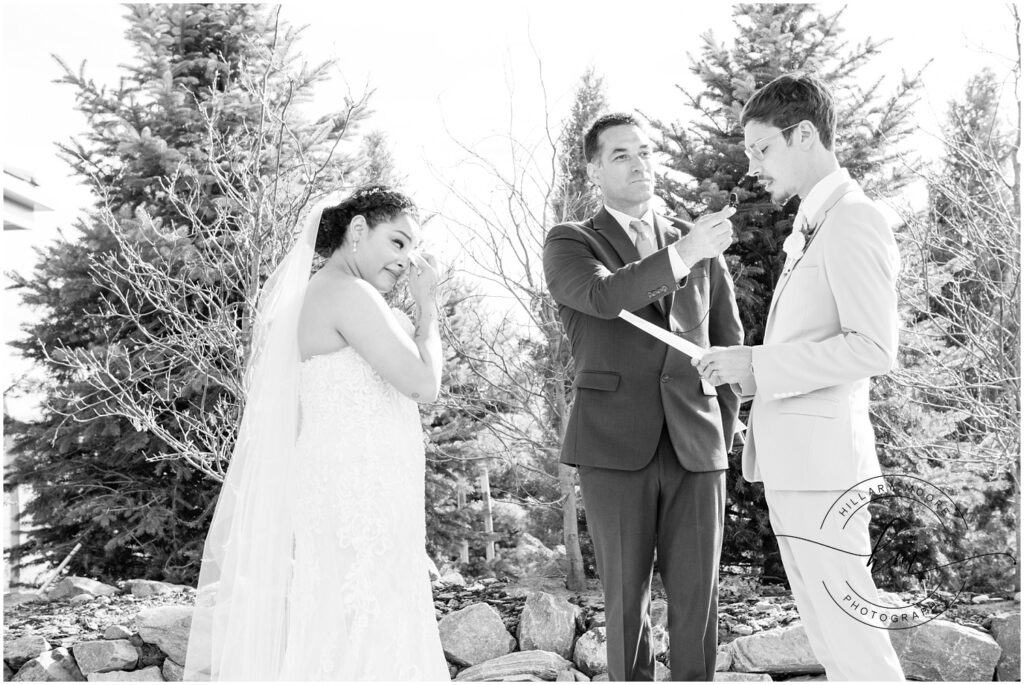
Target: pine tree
{"type": "Point", "coordinates": [950, 414]}
{"type": "Point", "coordinates": [201, 167]}
{"type": "Point", "coordinates": [773, 39]}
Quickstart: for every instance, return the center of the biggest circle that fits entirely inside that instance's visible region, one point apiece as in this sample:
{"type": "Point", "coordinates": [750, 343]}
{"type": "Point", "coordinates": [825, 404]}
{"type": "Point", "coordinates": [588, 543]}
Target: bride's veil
{"type": "Point", "coordinates": [239, 625]}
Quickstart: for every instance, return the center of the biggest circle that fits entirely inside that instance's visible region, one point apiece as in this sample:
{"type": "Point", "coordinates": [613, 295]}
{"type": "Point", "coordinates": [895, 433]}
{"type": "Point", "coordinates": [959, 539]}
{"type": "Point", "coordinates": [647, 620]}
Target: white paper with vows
{"type": "Point", "coordinates": [672, 340]}
{"type": "Point", "coordinates": [667, 337]}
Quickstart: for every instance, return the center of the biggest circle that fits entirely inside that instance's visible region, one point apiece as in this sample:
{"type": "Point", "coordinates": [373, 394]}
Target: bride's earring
{"type": "Point", "coordinates": [355, 246]}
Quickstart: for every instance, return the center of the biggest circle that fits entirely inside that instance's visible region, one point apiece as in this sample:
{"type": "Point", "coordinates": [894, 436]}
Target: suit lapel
{"type": "Point", "coordinates": [817, 220]}
{"type": "Point", "coordinates": [610, 230]}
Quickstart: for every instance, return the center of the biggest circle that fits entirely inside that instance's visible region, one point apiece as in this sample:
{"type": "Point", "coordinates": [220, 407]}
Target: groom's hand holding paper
{"type": "Point", "coordinates": [726, 365]}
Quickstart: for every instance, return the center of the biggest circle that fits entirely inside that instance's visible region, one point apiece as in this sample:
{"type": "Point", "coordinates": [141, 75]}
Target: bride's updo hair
{"type": "Point", "coordinates": [376, 203]}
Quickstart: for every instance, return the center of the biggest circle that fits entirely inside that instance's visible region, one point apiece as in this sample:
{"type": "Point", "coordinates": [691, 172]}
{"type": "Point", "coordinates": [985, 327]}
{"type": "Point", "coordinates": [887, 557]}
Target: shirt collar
{"type": "Point", "coordinates": [624, 219]}
{"type": "Point", "coordinates": [810, 205]}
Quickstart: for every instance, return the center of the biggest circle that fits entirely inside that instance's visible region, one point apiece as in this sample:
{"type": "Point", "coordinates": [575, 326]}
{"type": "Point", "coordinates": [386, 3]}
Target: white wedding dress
{"type": "Point", "coordinates": [360, 606]}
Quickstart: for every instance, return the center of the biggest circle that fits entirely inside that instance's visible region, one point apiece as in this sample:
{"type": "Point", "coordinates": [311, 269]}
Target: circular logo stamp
{"type": "Point", "coordinates": [918, 525]}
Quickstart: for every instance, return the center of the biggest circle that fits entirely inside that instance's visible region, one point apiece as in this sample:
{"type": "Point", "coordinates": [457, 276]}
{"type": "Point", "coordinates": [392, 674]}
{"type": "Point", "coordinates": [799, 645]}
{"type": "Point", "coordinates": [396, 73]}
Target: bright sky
{"type": "Point", "coordinates": [446, 68]}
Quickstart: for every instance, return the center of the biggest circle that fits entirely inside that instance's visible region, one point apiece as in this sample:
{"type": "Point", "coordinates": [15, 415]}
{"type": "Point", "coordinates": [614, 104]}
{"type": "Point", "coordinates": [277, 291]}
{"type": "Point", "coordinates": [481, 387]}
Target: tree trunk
{"type": "Point", "coordinates": [485, 491]}
{"type": "Point", "coordinates": [460, 499]}
{"type": "Point", "coordinates": [575, 579]}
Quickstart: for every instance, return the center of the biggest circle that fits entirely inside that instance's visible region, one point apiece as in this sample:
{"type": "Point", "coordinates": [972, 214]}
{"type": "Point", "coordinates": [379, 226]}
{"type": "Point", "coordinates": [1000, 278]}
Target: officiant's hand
{"type": "Point", "coordinates": [721, 365]}
{"type": "Point", "coordinates": [708, 238]}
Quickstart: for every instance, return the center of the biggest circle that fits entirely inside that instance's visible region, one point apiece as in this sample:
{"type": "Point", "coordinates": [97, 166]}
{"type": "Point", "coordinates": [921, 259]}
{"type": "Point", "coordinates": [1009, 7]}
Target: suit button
{"type": "Point", "coordinates": [666, 378]}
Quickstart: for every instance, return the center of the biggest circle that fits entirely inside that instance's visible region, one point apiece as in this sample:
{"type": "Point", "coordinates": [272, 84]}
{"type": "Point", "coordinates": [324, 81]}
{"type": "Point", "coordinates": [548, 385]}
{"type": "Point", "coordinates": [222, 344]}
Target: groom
{"type": "Point", "coordinates": [831, 326]}
{"type": "Point", "coordinates": [648, 437]}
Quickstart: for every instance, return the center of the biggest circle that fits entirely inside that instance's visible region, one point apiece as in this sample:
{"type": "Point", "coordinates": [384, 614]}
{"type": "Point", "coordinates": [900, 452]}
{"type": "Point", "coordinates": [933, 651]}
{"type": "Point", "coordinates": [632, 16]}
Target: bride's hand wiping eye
{"type": "Point", "coordinates": [423, 275]}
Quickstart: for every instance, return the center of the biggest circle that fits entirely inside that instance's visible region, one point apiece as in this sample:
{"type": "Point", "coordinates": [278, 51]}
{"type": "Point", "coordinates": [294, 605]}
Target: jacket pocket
{"type": "Point", "coordinates": [825, 407]}
{"type": "Point", "coordinates": [597, 380]}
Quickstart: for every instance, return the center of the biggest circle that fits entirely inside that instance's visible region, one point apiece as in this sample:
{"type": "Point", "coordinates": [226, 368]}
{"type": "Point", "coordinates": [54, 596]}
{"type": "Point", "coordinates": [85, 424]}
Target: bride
{"type": "Point", "coordinates": [314, 566]}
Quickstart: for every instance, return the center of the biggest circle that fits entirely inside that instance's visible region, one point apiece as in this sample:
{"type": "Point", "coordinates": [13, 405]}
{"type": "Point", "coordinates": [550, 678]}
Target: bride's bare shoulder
{"type": "Point", "coordinates": [340, 292]}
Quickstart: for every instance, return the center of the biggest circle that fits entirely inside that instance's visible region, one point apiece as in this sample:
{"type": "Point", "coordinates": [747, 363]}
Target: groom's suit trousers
{"type": "Point", "coordinates": [679, 513]}
{"type": "Point", "coordinates": [830, 583]}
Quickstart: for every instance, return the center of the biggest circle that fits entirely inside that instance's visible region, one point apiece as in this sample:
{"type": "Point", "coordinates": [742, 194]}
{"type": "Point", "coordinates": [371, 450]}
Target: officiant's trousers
{"type": "Point", "coordinates": [679, 513]}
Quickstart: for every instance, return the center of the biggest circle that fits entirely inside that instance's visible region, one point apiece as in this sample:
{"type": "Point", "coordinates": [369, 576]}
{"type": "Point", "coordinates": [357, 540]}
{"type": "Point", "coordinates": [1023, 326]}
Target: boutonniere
{"type": "Point", "coordinates": [794, 246]}
{"type": "Point", "coordinates": [797, 241]}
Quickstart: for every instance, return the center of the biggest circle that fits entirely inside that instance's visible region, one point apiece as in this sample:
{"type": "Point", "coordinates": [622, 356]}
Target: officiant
{"type": "Point", "coordinates": [649, 439]}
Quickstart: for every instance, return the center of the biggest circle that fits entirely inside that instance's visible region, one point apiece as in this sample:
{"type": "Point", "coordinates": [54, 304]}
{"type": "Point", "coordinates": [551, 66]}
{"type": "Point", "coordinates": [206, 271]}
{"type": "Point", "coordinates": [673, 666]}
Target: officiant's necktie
{"type": "Point", "coordinates": [645, 244]}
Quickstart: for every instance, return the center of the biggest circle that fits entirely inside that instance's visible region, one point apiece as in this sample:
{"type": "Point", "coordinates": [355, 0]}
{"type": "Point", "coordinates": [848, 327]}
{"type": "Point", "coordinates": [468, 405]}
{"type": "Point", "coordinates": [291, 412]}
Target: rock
{"type": "Point", "coordinates": [1006, 631]}
{"type": "Point", "coordinates": [19, 651]}
{"type": "Point", "coordinates": [75, 585]}
{"type": "Point", "coordinates": [598, 620]}
{"type": "Point", "coordinates": [807, 678]}
{"type": "Point", "coordinates": [166, 627]}
{"type": "Point", "coordinates": [147, 588]}
{"type": "Point", "coordinates": [565, 676]}
{"type": "Point", "coordinates": [659, 613]}
{"type": "Point", "coordinates": [591, 652]}
{"type": "Point", "coordinates": [7, 672]}
{"type": "Point", "coordinates": [539, 664]}
{"type": "Point", "coordinates": [742, 629]}
{"type": "Point", "coordinates": [601, 677]}
{"type": "Point", "coordinates": [745, 678]}
{"type": "Point", "coordinates": [82, 598]}
{"type": "Point", "coordinates": [779, 650]}
{"type": "Point", "coordinates": [452, 670]}
{"type": "Point", "coordinates": [943, 650]}
{"type": "Point", "coordinates": [661, 672]}
{"type": "Point", "coordinates": [548, 623]}
{"type": "Point", "coordinates": [979, 599]}
{"type": "Point", "coordinates": [149, 655]}
{"type": "Point", "coordinates": [453, 578]}
{"type": "Point", "coordinates": [100, 656]}
{"type": "Point", "coordinates": [533, 558]}
{"type": "Point", "coordinates": [150, 674]}
{"type": "Point", "coordinates": [56, 665]}
{"type": "Point", "coordinates": [172, 671]}
{"type": "Point", "coordinates": [723, 660]}
{"type": "Point", "coordinates": [117, 632]}
{"type": "Point", "coordinates": [659, 639]}
{"type": "Point", "coordinates": [13, 599]}
{"type": "Point", "coordinates": [432, 571]}
{"type": "Point", "coordinates": [474, 635]}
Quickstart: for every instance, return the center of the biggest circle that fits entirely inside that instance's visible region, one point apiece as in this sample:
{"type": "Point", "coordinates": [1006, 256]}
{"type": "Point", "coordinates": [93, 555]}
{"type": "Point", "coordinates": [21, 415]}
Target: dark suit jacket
{"type": "Point", "coordinates": [627, 382]}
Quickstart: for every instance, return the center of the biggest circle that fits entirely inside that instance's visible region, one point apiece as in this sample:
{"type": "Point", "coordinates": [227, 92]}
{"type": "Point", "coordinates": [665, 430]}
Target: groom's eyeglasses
{"type": "Point", "coordinates": [754, 152]}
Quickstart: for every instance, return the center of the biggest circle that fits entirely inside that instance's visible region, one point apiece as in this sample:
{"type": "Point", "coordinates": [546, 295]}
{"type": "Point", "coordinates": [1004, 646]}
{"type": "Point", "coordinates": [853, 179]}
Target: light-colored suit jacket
{"type": "Point", "coordinates": [832, 325]}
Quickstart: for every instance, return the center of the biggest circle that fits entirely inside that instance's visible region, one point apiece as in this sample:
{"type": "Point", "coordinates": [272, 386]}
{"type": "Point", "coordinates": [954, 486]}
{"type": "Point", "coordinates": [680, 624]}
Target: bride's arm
{"type": "Point", "coordinates": [411, 365]}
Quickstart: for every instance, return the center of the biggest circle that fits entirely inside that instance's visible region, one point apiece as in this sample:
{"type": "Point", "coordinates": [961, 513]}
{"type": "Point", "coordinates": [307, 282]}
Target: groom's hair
{"type": "Point", "coordinates": [591, 144]}
{"type": "Point", "coordinates": [788, 100]}
{"type": "Point", "coordinates": [376, 203]}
